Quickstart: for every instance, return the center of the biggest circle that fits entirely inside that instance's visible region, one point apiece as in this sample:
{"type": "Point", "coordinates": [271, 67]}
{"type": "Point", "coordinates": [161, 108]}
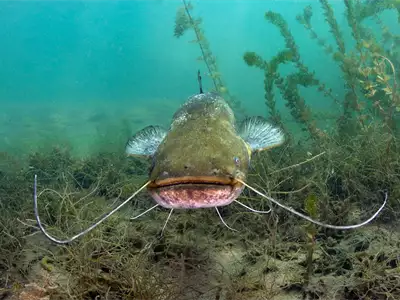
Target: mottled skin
{"type": "Point", "coordinates": [201, 156]}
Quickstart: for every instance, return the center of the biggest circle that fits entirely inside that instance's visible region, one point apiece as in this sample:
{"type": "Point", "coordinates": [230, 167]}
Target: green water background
{"type": "Point", "coordinates": [87, 74]}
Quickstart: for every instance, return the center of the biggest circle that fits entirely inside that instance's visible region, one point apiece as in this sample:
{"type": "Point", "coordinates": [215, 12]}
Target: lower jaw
{"type": "Point", "coordinates": [193, 196]}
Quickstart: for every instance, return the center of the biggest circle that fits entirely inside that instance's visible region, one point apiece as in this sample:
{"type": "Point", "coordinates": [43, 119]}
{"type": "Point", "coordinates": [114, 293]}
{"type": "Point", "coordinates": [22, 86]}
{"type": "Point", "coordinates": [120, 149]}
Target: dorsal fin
{"type": "Point", "coordinates": [199, 80]}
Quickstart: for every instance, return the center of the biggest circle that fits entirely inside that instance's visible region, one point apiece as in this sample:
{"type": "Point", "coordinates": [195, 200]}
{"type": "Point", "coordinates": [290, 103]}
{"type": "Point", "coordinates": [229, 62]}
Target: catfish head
{"type": "Point", "coordinates": [197, 163]}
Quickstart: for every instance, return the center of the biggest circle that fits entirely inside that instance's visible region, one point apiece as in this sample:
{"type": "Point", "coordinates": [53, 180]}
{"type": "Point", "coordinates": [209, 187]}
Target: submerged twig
{"type": "Point", "coordinates": [299, 164]}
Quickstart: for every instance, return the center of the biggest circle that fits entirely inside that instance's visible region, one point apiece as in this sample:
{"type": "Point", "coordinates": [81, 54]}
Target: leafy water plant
{"type": "Point", "coordinates": [288, 86]}
{"type": "Point", "coordinates": [184, 21]}
{"type": "Point", "coordinates": [271, 75]}
{"type": "Point", "coordinates": [367, 9]}
{"type": "Point", "coordinates": [364, 120]}
{"type": "Point", "coordinates": [127, 259]}
{"type": "Point", "coordinates": [357, 113]}
{"type": "Point", "coordinates": [310, 206]}
{"type": "Point", "coordinates": [369, 86]}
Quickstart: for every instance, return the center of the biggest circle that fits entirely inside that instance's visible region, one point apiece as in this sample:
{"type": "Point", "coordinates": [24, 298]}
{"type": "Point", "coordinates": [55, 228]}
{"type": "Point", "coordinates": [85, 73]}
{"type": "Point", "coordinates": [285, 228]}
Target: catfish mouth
{"type": "Point", "coordinates": [193, 180]}
{"type": "Point", "coordinates": [195, 191]}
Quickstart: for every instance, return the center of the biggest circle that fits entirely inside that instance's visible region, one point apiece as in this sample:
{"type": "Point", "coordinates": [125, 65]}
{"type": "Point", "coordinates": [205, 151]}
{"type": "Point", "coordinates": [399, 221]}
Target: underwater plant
{"type": "Point", "coordinates": [368, 82]}
{"type": "Point", "coordinates": [363, 68]}
{"type": "Point", "coordinates": [288, 86]}
{"type": "Point", "coordinates": [126, 260]}
{"type": "Point", "coordinates": [185, 21]}
{"type": "Point", "coordinates": [310, 204]}
{"type": "Point", "coordinates": [369, 115]}
{"type": "Point", "coordinates": [271, 76]}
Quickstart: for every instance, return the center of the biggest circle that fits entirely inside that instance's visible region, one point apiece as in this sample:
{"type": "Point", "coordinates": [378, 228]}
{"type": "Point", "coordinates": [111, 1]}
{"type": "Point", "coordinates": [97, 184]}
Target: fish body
{"type": "Point", "coordinates": [201, 161]}
{"type": "Point", "coordinates": [197, 162]}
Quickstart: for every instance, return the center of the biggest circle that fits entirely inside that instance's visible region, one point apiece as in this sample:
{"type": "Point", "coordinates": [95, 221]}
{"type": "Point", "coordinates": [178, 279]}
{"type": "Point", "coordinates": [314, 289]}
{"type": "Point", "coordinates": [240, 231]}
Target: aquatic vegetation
{"type": "Point", "coordinates": [268, 254]}
{"type": "Point", "coordinates": [365, 70]}
{"type": "Point", "coordinates": [367, 9]}
{"type": "Point", "coordinates": [271, 76]}
{"type": "Point", "coordinates": [310, 207]}
{"type": "Point", "coordinates": [185, 21]}
{"type": "Point", "coordinates": [288, 86]}
{"type": "Point", "coordinates": [368, 69]}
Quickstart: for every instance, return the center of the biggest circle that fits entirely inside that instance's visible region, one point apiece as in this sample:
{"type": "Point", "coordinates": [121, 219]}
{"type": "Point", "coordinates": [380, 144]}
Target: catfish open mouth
{"type": "Point", "coordinates": [208, 180]}
{"type": "Point", "coordinates": [195, 191]}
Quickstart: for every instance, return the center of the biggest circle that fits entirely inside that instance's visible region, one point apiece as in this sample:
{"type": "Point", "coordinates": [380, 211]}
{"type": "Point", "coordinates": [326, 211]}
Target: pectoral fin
{"type": "Point", "coordinates": [260, 135]}
{"type": "Point", "coordinates": [146, 141]}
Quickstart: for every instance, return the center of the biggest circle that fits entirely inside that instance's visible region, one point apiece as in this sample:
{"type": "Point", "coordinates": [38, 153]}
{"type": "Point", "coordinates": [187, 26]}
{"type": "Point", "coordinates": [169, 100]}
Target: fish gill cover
{"type": "Point", "coordinates": [79, 78]}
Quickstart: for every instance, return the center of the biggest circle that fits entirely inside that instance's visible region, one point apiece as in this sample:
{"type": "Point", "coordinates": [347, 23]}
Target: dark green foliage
{"type": "Point", "coordinates": [288, 86]}
{"type": "Point", "coordinates": [371, 8]}
{"type": "Point", "coordinates": [330, 18]}
{"type": "Point", "coordinates": [357, 64]}
{"type": "Point", "coordinates": [270, 77]}
{"type": "Point", "coordinates": [184, 21]}
{"type": "Point", "coordinates": [298, 108]}
{"type": "Point", "coordinates": [51, 166]}
{"type": "Point", "coordinates": [120, 258]}
{"type": "Point", "coordinates": [252, 59]}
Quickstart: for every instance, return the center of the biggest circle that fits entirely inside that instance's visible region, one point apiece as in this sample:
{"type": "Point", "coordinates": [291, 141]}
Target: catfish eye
{"type": "Point", "coordinates": [236, 160]}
